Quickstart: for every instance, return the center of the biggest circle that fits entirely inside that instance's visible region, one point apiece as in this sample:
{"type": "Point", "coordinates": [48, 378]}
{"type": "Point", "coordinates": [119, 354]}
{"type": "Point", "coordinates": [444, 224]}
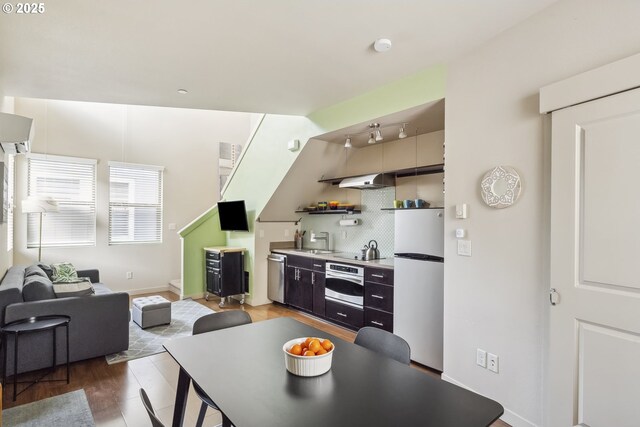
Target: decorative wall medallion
{"type": "Point", "coordinates": [500, 187]}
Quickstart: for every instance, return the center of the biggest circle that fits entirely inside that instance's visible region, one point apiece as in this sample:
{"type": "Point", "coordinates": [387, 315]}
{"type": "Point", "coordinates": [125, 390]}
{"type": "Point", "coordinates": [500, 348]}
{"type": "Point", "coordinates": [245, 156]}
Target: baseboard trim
{"type": "Point", "coordinates": [508, 417]}
{"type": "Point", "coordinates": [139, 291]}
{"type": "Point", "coordinates": [197, 295]}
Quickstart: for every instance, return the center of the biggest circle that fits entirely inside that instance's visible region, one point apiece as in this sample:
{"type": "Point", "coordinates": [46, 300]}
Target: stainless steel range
{"type": "Point", "coordinates": [344, 284]}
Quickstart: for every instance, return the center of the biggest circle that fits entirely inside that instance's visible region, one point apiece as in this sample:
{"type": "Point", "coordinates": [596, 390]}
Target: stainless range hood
{"type": "Point", "coordinates": [369, 182]}
{"type": "Point", "coordinates": [15, 133]}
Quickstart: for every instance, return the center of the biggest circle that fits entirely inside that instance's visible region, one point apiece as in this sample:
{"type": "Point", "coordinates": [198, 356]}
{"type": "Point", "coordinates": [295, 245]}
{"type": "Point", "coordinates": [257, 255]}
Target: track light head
{"type": "Point", "coordinates": [371, 139]}
{"type": "Point", "coordinates": [402, 134]}
{"type": "Point", "coordinates": [347, 143]}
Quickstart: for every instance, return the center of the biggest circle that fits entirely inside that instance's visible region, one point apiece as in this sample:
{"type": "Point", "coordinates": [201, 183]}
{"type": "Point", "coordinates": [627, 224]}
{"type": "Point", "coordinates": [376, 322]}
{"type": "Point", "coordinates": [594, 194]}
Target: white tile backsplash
{"type": "Point", "coordinates": [375, 224]}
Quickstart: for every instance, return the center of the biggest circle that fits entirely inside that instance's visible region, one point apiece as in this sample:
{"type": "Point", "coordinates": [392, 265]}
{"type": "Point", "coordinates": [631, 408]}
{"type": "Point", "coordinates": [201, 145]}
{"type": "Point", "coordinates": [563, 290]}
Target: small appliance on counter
{"type": "Point", "coordinates": [370, 251]}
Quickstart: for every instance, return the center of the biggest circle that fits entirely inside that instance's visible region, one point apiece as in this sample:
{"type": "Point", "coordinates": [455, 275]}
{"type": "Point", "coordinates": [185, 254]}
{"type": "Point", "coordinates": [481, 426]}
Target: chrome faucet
{"type": "Point", "coordinates": [321, 235]}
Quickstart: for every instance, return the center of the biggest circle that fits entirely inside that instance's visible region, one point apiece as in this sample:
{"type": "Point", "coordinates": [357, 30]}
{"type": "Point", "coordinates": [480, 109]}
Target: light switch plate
{"type": "Point", "coordinates": [464, 247]}
{"type": "Point", "coordinates": [461, 211]}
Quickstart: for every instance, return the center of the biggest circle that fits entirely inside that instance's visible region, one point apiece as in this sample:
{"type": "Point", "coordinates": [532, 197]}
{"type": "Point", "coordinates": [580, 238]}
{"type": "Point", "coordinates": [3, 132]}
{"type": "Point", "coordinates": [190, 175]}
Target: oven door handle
{"type": "Point", "coordinates": [345, 277]}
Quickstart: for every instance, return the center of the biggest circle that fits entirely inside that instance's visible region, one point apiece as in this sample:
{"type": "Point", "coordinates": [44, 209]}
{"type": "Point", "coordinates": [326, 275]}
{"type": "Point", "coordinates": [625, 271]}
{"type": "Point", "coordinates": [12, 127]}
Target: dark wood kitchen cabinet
{"type": "Point", "coordinates": [304, 287]}
{"type": "Point", "coordinates": [317, 280]}
{"type": "Point", "coordinates": [298, 288]}
{"type": "Point", "coordinates": [378, 298]}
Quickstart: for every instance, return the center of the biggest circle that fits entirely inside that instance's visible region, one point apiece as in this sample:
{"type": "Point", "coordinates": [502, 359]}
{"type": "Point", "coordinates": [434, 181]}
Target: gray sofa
{"type": "Point", "coordinates": [99, 323]}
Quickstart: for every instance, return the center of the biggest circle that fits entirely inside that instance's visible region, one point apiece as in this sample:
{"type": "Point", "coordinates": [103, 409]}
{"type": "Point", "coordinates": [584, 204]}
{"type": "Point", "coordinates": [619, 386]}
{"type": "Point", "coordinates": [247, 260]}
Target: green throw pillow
{"type": "Point", "coordinates": [64, 272]}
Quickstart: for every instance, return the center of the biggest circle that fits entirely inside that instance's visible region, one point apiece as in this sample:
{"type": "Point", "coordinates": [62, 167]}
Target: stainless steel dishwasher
{"type": "Point", "coordinates": [275, 281]}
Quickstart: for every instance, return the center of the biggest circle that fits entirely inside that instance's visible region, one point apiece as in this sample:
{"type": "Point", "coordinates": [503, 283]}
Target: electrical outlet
{"type": "Point", "coordinates": [129, 274]}
{"type": "Point", "coordinates": [492, 362]}
{"type": "Point", "coordinates": [481, 358]}
{"type": "Point", "coordinates": [344, 234]}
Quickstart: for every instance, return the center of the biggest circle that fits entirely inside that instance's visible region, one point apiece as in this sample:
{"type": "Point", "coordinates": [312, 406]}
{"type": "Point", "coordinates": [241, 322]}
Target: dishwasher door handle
{"type": "Point", "coordinates": [270, 258]}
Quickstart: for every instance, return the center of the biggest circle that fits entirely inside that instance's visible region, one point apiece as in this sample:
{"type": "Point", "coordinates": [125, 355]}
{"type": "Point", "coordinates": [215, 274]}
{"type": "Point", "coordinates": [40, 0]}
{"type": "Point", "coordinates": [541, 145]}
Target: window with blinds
{"type": "Point", "coordinates": [72, 183]}
{"type": "Point", "coordinates": [135, 203]}
{"type": "Point", "coordinates": [10, 195]}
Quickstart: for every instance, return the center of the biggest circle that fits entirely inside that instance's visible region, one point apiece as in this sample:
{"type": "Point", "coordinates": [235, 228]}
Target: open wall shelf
{"type": "Point", "coordinates": [400, 173]}
{"type": "Point", "coordinates": [332, 212]}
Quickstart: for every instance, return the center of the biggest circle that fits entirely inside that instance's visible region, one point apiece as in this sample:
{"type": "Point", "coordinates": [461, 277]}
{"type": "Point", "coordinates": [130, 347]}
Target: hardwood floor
{"type": "Point", "coordinates": [112, 390]}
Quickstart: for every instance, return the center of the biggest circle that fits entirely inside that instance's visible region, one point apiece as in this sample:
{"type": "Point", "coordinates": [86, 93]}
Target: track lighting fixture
{"type": "Point", "coordinates": [375, 133]}
{"type": "Point", "coordinates": [402, 134]}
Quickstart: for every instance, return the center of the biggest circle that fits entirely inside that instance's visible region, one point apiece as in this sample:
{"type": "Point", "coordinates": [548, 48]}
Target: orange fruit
{"type": "Point", "coordinates": [314, 346]}
{"type": "Point", "coordinates": [304, 349]}
{"type": "Point", "coordinates": [296, 349]}
{"type": "Point", "coordinates": [321, 351]}
{"type": "Point", "coordinates": [308, 353]}
{"type": "Point", "coordinates": [327, 345]}
{"type": "Point", "coordinates": [307, 341]}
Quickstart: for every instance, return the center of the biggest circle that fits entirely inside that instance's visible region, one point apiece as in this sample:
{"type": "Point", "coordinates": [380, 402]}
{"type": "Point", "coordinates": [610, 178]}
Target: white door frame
{"type": "Point", "coordinates": [616, 77]}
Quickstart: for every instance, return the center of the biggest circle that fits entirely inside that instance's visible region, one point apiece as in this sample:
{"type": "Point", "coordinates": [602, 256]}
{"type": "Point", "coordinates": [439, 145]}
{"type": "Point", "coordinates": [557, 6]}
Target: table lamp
{"type": "Point", "coordinates": [41, 205]}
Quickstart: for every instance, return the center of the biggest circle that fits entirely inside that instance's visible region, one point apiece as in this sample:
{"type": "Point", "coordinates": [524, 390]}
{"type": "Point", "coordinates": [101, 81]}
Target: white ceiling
{"type": "Point", "coordinates": [276, 56]}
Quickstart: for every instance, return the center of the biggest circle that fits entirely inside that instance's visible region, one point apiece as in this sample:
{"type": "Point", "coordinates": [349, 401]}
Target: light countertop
{"type": "Point", "coordinates": [224, 249]}
{"type": "Point", "coordinates": [380, 263]}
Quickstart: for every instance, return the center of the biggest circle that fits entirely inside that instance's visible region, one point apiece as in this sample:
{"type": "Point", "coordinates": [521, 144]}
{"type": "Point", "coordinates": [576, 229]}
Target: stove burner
{"type": "Point", "coordinates": [353, 256]}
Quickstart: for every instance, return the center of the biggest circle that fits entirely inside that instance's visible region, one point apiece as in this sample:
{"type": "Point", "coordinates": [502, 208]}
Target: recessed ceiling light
{"type": "Point", "coordinates": [382, 45]}
{"type": "Point", "coordinates": [183, 91]}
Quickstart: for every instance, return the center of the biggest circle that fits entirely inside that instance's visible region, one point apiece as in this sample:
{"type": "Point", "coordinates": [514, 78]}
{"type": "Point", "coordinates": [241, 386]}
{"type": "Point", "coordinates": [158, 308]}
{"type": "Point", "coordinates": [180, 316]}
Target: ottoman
{"type": "Point", "coordinates": [151, 311]}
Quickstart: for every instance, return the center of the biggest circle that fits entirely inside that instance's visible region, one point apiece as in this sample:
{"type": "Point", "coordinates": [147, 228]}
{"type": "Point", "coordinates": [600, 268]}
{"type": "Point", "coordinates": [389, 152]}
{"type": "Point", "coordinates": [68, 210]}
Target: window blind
{"type": "Point", "coordinates": [72, 183]}
{"type": "Point", "coordinates": [135, 203]}
{"type": "Point", "coordinates": [10, 195]}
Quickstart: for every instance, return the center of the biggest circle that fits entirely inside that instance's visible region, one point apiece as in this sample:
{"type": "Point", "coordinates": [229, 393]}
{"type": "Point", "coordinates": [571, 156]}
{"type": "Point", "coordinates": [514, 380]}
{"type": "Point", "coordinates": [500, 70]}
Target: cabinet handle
{"type": "Point", "coordinates": [341, 314]}
{"type": "Point", "coordinates": [317, 265]}
{"type": "Point", "coordinates": [313, 278]}
{"type": "Point", "coordinates": [377, 296]}
{"type": "Point", "coordinates": [377, 323]}
{"type": "Point", "coordinates": [379, 276]}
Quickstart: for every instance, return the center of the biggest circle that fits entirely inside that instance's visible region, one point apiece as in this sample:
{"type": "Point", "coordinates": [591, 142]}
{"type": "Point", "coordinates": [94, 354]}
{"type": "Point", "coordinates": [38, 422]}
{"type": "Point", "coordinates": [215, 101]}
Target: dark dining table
{"type": "Point", "coordinates": [242, 369]}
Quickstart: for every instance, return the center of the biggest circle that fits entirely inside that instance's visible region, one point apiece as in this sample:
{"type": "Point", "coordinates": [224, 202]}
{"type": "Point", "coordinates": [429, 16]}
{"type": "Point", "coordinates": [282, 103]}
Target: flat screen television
{"type": "Point", "coordinates": [233, 216]}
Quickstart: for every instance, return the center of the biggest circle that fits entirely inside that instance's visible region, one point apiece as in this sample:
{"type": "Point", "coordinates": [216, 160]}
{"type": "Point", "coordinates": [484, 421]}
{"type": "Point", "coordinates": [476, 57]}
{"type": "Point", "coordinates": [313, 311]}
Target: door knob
{"type": "Point", "coordinates": [554, 296]}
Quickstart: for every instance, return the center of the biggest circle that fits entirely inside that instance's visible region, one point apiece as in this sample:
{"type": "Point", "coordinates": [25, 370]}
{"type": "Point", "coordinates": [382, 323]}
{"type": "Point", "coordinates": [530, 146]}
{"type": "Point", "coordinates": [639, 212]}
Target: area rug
{"type": "Point", "coordinates": [69, 409]}
{"type": "Point", "coordinates": [145, 342]}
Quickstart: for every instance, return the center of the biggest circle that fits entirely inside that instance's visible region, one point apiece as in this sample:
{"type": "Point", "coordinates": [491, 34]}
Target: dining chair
{"type": "Point", "coordinates": [208, 323]}
{"type": "Point", "coordinates": [155, 422]}
{"type": "Point", "coordinates": [385, 343]}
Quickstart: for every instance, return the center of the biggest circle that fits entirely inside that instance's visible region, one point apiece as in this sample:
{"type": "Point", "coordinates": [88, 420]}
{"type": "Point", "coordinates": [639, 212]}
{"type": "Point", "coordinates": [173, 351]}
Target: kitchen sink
{"type": "Point", "coordinates": [317, 251]}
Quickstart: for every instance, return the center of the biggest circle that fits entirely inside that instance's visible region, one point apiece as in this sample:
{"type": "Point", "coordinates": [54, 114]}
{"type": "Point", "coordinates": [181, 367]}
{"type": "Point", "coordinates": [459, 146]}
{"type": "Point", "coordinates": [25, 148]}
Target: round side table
{"type": "Point", "coordinates": [27, 326]}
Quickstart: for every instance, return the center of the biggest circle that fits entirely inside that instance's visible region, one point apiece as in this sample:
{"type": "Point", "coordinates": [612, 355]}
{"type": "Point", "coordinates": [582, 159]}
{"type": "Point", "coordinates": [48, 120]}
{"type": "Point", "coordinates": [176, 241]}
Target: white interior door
{"type": "Point", "coordinates": [594, 358]}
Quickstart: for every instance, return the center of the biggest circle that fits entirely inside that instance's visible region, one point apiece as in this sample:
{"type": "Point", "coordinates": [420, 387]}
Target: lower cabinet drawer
{"type": "Point", "coordinates": [378, 296]}
{"type": "Point", "coordinates": [378, 319]}
{"type": "Point", "coordinates": [344, 314]}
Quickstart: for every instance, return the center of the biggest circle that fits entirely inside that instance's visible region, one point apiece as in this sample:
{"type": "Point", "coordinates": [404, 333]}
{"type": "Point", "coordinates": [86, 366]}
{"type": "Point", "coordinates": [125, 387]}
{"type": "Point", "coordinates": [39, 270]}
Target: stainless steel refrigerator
{"type": "Point", "coordinates": [418, 298]}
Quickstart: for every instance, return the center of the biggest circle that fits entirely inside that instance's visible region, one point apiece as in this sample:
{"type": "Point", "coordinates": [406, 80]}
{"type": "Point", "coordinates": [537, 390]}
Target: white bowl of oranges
{"type": "Point", "coordinates": [308, 356]}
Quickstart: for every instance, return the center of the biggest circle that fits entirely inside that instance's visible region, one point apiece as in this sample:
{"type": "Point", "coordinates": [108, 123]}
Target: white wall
{"type": "Point", "coordinates": [6, 257]}
{"type": "Point", "coordinates": [497, 299]}
{"type": "Point", "coordinates": [184, 141]}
